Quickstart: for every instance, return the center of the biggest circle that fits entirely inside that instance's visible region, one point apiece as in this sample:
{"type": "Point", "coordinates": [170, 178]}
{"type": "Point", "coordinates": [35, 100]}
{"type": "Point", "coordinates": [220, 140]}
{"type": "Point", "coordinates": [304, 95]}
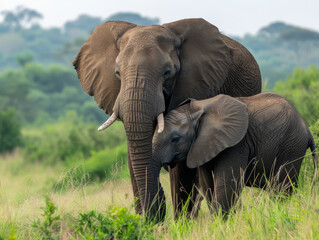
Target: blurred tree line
{"type": "Point", "coordinates": [20, 33]}
{"type": "Point", "coordinates": [279, 48]}
{"type": "Point", "coordinates": [40, 91]}
{"type": "Point", "coordinates": [301, 88]}
{"type": "Point", "coordinates": [43, 92]}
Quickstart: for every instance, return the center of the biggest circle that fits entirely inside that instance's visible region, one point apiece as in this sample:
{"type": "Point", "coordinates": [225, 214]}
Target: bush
{"type": "Point", "coordinates": [106, 164]}
{"type": "Point", "coordinates": [302, 90]}
{"type": "Point", "coordinates": [315, 133]}
{"type": "Point", "coordinates": [44, 227]}
{"type": "Point", "coordinates": [10, 131]}
{"type": "Point", "coordinates": [70, 140]}
{"type": "Point", "coordinates": [115, 223]}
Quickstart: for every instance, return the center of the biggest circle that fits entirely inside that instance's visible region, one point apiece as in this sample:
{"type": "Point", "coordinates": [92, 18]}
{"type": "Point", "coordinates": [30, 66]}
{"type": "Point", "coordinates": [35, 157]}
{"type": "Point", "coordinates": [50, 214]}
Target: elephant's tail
{"type": "Point", "coordinates": [311, 144]}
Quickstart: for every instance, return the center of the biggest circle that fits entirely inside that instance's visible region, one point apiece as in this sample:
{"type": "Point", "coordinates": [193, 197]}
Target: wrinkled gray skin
{"type": "Point", "coordinates": [231, 142]}
{"type": "Point", "coordinates": [139, 72]}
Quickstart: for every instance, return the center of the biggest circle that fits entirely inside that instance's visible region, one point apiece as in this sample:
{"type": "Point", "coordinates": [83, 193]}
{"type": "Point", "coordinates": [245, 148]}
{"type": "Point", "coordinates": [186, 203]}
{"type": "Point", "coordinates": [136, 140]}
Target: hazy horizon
{"type": "Point", "coordinates": [241, 18]}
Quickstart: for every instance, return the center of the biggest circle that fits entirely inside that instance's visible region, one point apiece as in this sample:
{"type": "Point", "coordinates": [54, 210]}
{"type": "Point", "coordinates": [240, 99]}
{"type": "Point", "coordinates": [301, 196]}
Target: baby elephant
{"type": "Point", "coordinates": [254, 141]}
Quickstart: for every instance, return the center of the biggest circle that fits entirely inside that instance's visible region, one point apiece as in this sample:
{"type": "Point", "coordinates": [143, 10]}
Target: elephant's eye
{"type": "Point", "coordinates": [175, 138]}
{"type": "Point", "coordinates": [167, 73]}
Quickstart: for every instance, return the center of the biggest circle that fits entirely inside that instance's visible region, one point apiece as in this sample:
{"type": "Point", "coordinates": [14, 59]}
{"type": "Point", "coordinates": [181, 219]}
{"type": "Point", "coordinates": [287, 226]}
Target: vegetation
{"type": "Point", "coordinates": [91, 211]}
{"type": "Point", "coordinates": [280, 47]}
{"type": "Point", "coordinates": [42, 94]}
{"type": "Point", "coordinates": [45, 226]}
{"type": "Point", "coordinates": [10, 133]}
{"type": "Point", "coordinates": [115, 223]}
{"type": "Point", "coordinates": [302, 90]}
{"type": "Point", "coordinates": [20, 32]}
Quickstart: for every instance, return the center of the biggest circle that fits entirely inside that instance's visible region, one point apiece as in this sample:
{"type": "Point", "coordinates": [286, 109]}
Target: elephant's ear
{"type": "Point", "coordinates": [95, 63]}
{"type": "Point", "coordinates": [223, 123]}
{"type": "Point", "coordinates": [205, 60]}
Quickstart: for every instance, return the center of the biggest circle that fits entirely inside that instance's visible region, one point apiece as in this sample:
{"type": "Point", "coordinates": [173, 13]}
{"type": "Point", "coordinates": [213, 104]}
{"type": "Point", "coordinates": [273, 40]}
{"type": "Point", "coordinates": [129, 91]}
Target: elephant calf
{"type": "Point", "coordinates": [234, 142]}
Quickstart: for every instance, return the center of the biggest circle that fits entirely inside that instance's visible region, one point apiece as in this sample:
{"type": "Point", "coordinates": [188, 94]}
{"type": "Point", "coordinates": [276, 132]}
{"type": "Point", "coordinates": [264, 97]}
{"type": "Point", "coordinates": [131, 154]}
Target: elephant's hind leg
{"type": "Point", "coordinates": [286, 178]}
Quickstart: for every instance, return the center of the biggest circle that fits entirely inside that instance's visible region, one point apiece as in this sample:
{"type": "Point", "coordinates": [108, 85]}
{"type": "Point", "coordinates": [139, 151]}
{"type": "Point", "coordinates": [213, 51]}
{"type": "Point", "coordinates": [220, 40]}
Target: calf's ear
{"type": "Point", "coordinates": [222, 123]}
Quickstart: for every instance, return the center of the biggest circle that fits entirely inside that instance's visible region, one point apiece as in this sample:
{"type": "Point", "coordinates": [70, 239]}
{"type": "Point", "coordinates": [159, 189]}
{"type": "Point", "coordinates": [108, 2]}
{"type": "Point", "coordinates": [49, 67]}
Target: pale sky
{"type": "Point", "coordinates": [235, 17]}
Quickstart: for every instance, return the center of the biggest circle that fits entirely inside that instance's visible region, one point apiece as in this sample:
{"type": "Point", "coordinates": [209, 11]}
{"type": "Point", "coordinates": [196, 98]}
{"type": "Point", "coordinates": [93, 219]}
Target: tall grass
{"type": "Point", "coordinates": [257, 215]}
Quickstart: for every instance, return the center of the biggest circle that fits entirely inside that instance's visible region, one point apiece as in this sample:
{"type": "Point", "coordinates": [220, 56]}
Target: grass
{"type": "Point", "coordinates": [257, 215]}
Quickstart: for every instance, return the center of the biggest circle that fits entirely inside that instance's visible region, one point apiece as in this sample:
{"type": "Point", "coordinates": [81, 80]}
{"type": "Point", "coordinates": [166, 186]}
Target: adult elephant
{"type": "Point", "coordinates": [138, 73]}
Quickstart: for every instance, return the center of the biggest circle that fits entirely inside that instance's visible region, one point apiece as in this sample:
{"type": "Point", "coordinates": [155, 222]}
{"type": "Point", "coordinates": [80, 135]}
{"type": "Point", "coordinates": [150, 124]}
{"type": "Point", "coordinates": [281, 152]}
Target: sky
{"type": "Point", "coordinates": [236, 17]}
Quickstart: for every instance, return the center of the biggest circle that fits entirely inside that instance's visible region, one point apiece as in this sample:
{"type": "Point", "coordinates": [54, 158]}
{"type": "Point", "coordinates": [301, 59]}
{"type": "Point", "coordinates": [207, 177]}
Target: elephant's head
{"type": "Point", "coordinates": [198, 131]}
{"type": "Point", "coordinates": [131, 72]}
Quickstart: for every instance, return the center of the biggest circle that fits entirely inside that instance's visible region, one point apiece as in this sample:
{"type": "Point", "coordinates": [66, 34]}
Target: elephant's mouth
{"type": "Point", "coordinates": [178, 157]}
{"type": "Point", "coordinates": [166, 165]}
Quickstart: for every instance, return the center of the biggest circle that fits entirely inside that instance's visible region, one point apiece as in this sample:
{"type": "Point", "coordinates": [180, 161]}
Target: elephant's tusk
{"type": "Point", "coordinates": [108, 122]}
{"type": "Point", "coordinates": [160, 122]}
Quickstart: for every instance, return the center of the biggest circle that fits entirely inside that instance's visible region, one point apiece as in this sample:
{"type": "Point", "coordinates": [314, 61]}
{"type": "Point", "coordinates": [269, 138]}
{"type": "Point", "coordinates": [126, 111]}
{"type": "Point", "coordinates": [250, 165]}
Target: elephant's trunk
{"type": "Point", "coordinates": [138, 109]}
{"type": "Point", "coordinates": [146, 171]}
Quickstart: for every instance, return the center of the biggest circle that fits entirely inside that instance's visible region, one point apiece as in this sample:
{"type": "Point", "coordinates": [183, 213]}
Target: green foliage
{"type": "Point", "coordinates": [279, 48]}
{"type": "Point", "coordinates": [300, 35]}
{"type": "Point", "coordinates": [107, 164]}
{"type": "Point", "coordinates": [20, 32]}
{"type": "Point", "coordinates": [45, 91]}
{"type": "Point", "coordinates": [45, 226]}
{"type": "Point", "coordinates": [24, 58]}
{"type": "Point", "coordinates": [275, 29]}
{"type": "Point", "coordinates": [10, 131]}
{"type": "Point", "coordinates": [115, 223]}
{"type": "Point", "coordinates": [110, 163]}
{"type": "Point", "coordinates": [302, 90]}
{"type": "Point", "coordinates": [314, 128]}
{"type": "Point", "coordinates": [11, 235]}
{"type": "Point", "coordinates": [20, 17]}
{"type": "Point", "coordinates": [83, 22]}
{"type": "Point", "coordinates": [69, 140]}
{"type": "Point", "coordinates": [133, 18]}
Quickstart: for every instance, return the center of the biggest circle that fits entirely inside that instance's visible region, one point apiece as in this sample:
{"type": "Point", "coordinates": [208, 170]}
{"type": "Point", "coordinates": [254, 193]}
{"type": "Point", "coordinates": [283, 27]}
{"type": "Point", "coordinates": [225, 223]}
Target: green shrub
{"type": "Point", "coordinates": [10, 131]}
{"type": "Point", "coordinates": [106, 164]}
{"type": "Point", "coordinates": [44, 228]}
{"type": "Point", "coordinates": [10, 232]}
{"type": "Point", "coordinates": [314, 128]}
{"type": "Point", "coordinates": [69, 139]}
{"type": "Point", "coordinates": [115, 223]}
{"type": "Point", "coordinates": [302, 90]}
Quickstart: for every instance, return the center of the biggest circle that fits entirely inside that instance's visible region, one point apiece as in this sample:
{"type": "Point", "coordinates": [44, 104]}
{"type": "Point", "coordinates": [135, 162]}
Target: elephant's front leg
{"type": "Point", "coordinates": [228, 177]}
{"type": "Point", "coordinates": [184, 190]}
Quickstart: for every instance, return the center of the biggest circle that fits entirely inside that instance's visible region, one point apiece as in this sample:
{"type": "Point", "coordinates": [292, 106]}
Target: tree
{"type": "Point", "coordinates": [133, 18]}
{"type": "Point", "coordinates": [302, 90]}
{"type": "Point", "coordinates": [10, 131]}
{"type": "Point", "coordinates": [21, 17]}
{"type": "Point", "coordinates": [83, 22]}
{"type": "Point", "coordinates": [275, 29]}
{"type": "Point", "coordinates": [24, 58]}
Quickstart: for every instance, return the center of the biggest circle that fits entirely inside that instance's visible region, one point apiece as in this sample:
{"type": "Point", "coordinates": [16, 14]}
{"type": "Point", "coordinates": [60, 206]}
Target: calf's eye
{"type": "Point", "coordinates": [167, 73]}
{"type": "Point", "coordinates": [175, 138]}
